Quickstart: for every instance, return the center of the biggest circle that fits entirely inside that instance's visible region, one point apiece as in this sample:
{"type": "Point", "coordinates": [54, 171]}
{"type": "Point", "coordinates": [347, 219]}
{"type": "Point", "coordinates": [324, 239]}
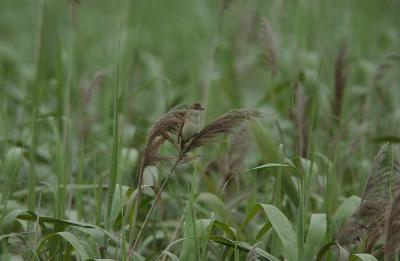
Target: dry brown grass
{"type": "Point", "coordinates": [368, 223]}
{"type": "Point", "coordinates": [224, 124]}
{"type": "Point", "coordinates": [300, 120]}
{"type": "Point", "coordinates": [166, 128]}
{"type": "Point", "coordinates": [383, 69]}
{"type": "Point", "coordinates": [392, 228]}
{"type": "Point", "coordinates": [269, 50]}
{"type": "Point", "coordinates": [340, 81]}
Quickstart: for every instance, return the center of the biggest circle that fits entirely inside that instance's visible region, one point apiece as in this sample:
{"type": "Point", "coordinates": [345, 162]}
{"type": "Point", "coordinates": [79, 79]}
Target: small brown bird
{"type": "Point", "coordinates": [192, 122]}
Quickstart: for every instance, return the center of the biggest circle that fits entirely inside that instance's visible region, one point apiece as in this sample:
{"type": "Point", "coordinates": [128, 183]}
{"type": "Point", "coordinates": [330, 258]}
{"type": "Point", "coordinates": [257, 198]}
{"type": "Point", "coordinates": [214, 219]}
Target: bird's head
{"type": "Point", "coordinates": [197, 106]}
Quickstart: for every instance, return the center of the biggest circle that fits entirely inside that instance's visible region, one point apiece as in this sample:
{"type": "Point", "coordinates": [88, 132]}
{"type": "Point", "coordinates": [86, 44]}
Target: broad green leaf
{"type": "Point", "coordinates": [308, 166]}
{"type": "Point", "coordinates": [343, 253]}
{"type": "Point", "coordinates": [346, 209]}
{"type": "Point", "coordinates": [70, 238]}
{"type": "Point", "coordinates": [193, 235]}
{"type": "Point", "coordinates": [290, 188]}
{"type": "Point", "coordinates": [172, 244]}
{"type": "Point", "coordinates": [18, 214]}
{"type": "Point", "coordinates": [250, 215]}
{"type": "Point", "coordinates": [172, 256]}
{"type": "Point", "coordinates": [315, 235]}
{"type": "Point", "coordinates": [242, 246]}
{"type": "Point", "coordinates": [264, 229]}
{"type": "Point", "coordinates": [48, 189]}
{"type": "Point", "coordinates": [266, 144]}
{"type": "Point", "coordinates": [363, 257]}
{"type": "Point", "coordinates": [20, 236]}
{"type": "Point", "coordinates": [283, 228]}
{"type": "Point", "coordinates": [97, 235]}
{"type": "Point", "coordinates": [270, 152]}
{"type": "Point", "coordinates": [118, 202]}
{"type": "Point", "coordinates": [203, 228]}
{"type": "Point", "coordinates": [152, 238]}
{"type": "Point", "coordinates": [15, 214]}
{"type": "Point", "coordinates": [218, 206]}
{"type": "Point", "coordinates": [229, 231]}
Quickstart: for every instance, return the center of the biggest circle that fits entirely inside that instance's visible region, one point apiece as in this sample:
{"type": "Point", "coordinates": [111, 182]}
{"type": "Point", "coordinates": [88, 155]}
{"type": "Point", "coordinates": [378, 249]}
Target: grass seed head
{"type": "Point", "coordinates": [269, 51]}
{"type": "Point", "coordinates": [224, 124]}
{"type": "Point", "coordinates": [368, 224]}
{"type": "Point", "coordinates": [392, 228]}
{"type": "Point", "coordinates": [166, 128]}
{"type": "Point", "coordinates": [340, 80]}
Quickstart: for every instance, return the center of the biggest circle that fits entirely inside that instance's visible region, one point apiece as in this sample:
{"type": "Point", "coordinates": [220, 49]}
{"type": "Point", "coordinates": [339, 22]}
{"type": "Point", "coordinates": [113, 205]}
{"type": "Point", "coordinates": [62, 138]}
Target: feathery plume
{"type": "Point", "coordinates": [379, 188]}
{"type": "Point", "coordinates": [221, 125]}
{"type": "Point", "coordinates": [166, 128]}
{"type": "Point", "coordinates": [340, 80]}
{"type": "Point", "coordinates": [384, 67]}
{"type": "Point", "coordinates": [86, 94]}
{"type": "Point", "coordinates": [384, 178]}
{"type": "Point", "coordinates": [351, 233]}
{"type": "Point", "coordinates": [300, 120]}
{"type": "Point", "coordinates": [95, 82]}
{"type": "Point", "coordinates": [269, 51]}
{"type": "Point", "coordinates": [392, 229]}
{"type": "Point", "coordinates": [382, 182]}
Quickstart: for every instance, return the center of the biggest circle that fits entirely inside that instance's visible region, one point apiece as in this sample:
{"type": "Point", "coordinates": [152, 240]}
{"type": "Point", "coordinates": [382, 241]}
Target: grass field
{"type": "Point", "coordinates": [297, 157]}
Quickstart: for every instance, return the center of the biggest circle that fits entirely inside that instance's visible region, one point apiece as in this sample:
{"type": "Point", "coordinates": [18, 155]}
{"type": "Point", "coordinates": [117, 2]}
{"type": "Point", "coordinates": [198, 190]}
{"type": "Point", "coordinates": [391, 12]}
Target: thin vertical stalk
{"type": "Point", "coordinates": [60, 174]}
{"type": "Point", "coordinates": [97, 191]}
{"type": "Point", "coordinates": [37, 98]}
{"type": "Point", "coordinates": [11, 170]}
{"type": "Point", "coordinates": [391, 192]}
{"type": "Point", "coordinates": [301, 219]}
{"type": "Point", "coordinates": [80, 181]}
{"type": "Point", "coordinates": [115, 142]}
{"type": "Point", "coordinates": [150, 212]}
{"type": "Point", "coordinates": [278, 203]}
{"type": "Point", "coordinates": [193, 213]}
{"type": "Point", "coordinates": [193, 221]}
{"type": "Point", "coordinates": [137, 204]}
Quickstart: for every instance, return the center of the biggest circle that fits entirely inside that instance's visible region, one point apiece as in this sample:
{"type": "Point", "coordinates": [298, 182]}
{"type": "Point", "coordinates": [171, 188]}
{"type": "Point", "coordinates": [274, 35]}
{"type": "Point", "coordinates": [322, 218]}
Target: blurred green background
{"type": "Point", "coordinates": [61, 58]}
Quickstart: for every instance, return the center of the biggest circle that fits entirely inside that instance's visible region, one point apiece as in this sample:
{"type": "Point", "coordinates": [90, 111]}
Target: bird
{"type": "Point", "coordinates": [191, 122]}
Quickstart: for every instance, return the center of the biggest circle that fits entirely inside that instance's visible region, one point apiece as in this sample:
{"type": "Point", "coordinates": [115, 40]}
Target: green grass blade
{"type": "Point", "coordinates": [315, 235]}
{"type": "Point", "coordinates": [70, 238]}
{"type": "Point", "coordinates": [347, 208]}
{"type": "Point", "coordinates": [112, 181]}
{"type": "Point", "coordinates": [363, 257]}
{"type": "Point", "coordinates": [242, 246]}
{"type": "Point", "coordinates": [283, 228]}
